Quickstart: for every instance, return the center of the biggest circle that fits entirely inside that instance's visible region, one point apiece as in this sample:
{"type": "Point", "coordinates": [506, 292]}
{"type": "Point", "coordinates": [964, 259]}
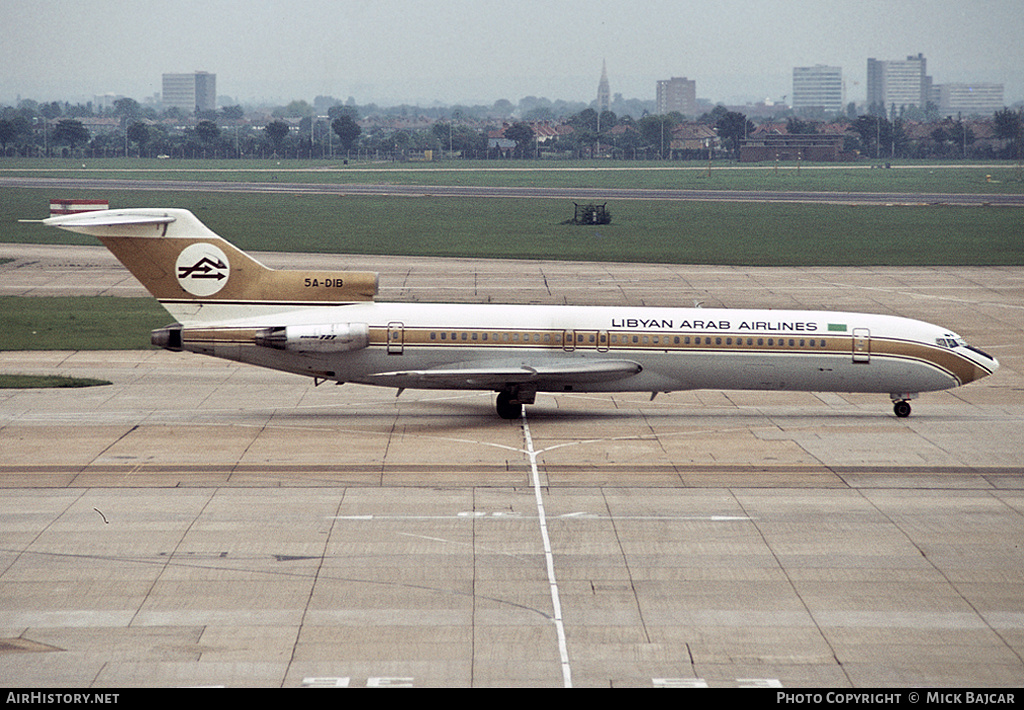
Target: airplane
{"type": "Point", "coordinates": [327, 325]}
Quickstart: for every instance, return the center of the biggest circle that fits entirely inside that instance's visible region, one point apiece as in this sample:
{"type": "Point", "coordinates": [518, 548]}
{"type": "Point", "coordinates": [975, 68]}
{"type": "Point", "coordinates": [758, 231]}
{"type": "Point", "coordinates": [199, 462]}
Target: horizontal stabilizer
{"type": "Point", "coordinates": [85, 221]}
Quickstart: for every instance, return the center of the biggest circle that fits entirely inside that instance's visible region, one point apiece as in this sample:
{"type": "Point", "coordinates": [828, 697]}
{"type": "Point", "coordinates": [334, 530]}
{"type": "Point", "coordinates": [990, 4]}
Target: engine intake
{"type": "Point", "coordinates": [320, 338]}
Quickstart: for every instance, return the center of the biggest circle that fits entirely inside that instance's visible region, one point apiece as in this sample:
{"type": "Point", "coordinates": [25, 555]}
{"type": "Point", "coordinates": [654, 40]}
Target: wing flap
{"type": "Point", "coordinates": [496, 377]}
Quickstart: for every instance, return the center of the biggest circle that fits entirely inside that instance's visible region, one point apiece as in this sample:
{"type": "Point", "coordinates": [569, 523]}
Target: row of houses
{"type": "Point", "coordinates": [768, 141]}
{"type": "Point", "coordinates": [772, 141]}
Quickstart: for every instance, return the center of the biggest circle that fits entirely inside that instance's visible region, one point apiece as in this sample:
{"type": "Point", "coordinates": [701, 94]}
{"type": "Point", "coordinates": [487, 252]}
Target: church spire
{"type": "Point", "coordinates": [604, 96]}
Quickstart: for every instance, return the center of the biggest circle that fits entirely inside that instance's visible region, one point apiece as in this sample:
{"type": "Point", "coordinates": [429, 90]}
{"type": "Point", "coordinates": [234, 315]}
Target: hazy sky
{"type": "Point", "coordinates": [478, 51]}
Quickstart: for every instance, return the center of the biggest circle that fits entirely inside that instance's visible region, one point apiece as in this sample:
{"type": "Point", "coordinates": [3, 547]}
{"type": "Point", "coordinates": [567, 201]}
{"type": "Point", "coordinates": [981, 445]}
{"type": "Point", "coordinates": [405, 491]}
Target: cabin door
{"type": "Point", "coordinates": [396, 338]}
{"type": "Point", "coordinates": [590, 340]}
{"type": "Point", "coordinates": [861, 345]}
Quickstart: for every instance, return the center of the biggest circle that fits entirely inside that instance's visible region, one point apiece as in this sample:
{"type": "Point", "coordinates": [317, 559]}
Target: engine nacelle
{"type": "Point", "coordinates": [168, 338]}
{"type": "Point", "coordinates": [319, 338]}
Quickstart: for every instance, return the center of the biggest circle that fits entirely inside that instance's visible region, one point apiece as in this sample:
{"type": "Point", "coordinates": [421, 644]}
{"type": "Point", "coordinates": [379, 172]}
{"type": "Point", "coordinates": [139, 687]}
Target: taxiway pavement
{"type": "Point", "coordinates": [199, 522]}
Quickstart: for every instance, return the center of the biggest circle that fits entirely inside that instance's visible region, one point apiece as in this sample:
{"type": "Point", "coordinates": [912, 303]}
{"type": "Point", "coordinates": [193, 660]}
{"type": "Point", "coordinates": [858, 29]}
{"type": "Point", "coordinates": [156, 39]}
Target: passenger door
{"type": "Point", "coordinates": [591, 340]}
{"type": "Point", "coordinates": [396, 338]}
{"type": "Point", "coordinates": [861, 345]}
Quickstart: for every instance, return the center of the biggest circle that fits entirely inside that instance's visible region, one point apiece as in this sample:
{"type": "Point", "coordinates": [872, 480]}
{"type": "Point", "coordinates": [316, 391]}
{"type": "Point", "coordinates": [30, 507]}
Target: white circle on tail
{"type": "Point", "coordinates": [202, 269]}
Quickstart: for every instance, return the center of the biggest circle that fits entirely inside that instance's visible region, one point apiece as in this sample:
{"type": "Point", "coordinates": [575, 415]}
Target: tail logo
{"type": "Point", "coordinates": [202, 269]}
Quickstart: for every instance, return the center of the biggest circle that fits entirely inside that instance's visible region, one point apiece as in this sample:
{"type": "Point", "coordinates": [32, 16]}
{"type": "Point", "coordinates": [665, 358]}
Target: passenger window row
{"type": "Point", "coordinates": [487, 337]}
{"type": "Point", "coordinates": [622, 339]}
{"type": "Point", "coordinates": [718, 340]}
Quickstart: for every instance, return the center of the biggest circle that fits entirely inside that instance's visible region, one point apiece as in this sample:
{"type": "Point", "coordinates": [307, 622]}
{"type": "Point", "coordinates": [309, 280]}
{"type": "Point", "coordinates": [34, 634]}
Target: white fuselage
{"type": "Point", "coordinates": [415, 345]}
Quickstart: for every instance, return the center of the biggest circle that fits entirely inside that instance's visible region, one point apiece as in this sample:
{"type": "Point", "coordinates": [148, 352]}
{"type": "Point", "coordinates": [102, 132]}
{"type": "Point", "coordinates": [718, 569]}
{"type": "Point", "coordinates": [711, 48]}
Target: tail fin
{"type": "Point", "coordinates": [200, 277]}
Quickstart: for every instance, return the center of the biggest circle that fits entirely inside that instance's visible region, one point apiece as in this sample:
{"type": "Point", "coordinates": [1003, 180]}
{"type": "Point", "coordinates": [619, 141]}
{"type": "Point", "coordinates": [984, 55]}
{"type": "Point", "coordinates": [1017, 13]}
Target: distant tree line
{"type": "Point", "coordinates": [297, 131]}
{"type": "Point", "coordinates": [879, 137]}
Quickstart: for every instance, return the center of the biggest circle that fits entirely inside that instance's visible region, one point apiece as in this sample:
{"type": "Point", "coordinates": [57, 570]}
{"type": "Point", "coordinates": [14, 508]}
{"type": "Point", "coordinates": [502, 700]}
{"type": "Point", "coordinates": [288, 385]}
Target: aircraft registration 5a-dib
{"type": "Point", "coordinates": [326, 325]}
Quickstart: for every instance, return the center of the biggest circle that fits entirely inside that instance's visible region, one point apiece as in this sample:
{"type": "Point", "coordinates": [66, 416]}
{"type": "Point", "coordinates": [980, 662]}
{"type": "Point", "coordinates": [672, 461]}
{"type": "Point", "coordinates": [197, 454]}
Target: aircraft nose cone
{"type": "Point", "coordinates": [985, 364]}
{"type": "Point", "coordinates": [988, 361]}
{"type": "Point", "coordinates": [982, 361]}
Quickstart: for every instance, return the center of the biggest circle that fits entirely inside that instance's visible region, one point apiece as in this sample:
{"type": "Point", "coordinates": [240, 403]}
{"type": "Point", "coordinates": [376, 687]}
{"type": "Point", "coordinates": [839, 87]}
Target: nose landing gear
{"type": "Point", "coordinates": [901, 409]}
{"type": "Point", "coordinates": [901, 403]}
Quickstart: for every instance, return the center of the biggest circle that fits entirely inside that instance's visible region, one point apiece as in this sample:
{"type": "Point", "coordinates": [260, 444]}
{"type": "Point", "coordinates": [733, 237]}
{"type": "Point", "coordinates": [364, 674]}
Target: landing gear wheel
{"type": "Point", "coordinates": [508, 409]}
{"type": "Point", "coordinates": [902, 409]}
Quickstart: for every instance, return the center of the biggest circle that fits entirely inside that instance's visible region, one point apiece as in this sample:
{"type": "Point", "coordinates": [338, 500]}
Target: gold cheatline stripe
{"type": "Point", "coordinates": [304, 304]}
{"type": "Point", "coordinates": [948, 361]}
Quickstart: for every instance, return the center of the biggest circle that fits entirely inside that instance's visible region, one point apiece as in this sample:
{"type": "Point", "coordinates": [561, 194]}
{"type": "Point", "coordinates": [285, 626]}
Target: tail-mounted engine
{"type": "Point", "coordinates": [321, 338]}
{"type": "Point", "coordinates": [168, 338]}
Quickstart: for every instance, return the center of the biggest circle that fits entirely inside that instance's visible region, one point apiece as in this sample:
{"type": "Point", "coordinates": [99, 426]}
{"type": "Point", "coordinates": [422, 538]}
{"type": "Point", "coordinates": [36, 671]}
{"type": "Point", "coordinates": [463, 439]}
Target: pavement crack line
{"type": "Point", "coordinates": [148, 597]}
{"type": "Point", "coordinates": [792, 585]}
{"type": "Point", "coordinates": [25, 549]}
{"type": "Point", "coordinates": [982, 617]}
{"type": "Point", "coordinates": [556, 604]}
{"type": "Point", "coordinates": [108, 447]}
{"type": "Point", "coordinates": [625, 562]}
{"type": "Point", "coordinates": [317, 576]}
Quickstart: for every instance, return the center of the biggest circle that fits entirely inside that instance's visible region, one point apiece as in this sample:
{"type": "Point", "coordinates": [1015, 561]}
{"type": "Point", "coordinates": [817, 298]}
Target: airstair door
{"type": "Point", "coordinates": [861, 345]}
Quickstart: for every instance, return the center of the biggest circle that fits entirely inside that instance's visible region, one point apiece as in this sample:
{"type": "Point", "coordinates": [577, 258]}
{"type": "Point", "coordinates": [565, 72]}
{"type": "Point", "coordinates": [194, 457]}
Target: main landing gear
{"type": "Point", "coordinates": [510, 401]}
{"type": "Point", "coordinates": [901, 404]}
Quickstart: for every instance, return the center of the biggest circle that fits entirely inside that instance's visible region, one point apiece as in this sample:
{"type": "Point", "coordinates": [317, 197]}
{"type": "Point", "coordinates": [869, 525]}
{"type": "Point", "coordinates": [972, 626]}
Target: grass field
{"type": "Point", "coordinates": [22, 382]}
{"type": "Point", "coordinates": [996, 177]}
{"type": "Point", "coordinates": [93, 323]}
{"type": "Point", "coordinates": [645, 231]}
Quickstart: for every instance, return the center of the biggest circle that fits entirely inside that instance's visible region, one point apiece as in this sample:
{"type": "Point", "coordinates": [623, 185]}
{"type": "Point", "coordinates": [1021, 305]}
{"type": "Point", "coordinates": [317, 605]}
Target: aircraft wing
{"type": "Point", "coordinates": [497, 377]}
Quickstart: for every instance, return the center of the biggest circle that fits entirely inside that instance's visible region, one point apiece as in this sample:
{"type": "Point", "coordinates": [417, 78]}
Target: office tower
{"type": "Point", "coordinates": [968, 99]}
{"type": "Point", "coordinates": [899, 83]}
{"type": "Point", "coordinates": [677, 94]}
{"type": "Point", "coordinates": [818, 88]}
{"type": "Point", "coordinates": [190, 92]}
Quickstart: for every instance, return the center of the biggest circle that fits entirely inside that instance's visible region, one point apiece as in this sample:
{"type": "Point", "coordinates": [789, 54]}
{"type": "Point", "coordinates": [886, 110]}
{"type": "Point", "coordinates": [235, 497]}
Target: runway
{"type": "Point", "coordinates": [199, 522]}
{"type": "Point", "coordinates": [283, 187]}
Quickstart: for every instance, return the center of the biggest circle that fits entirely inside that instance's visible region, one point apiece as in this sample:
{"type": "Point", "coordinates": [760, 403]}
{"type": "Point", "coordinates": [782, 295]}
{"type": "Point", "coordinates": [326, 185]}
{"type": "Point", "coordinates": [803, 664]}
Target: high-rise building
{"type": "Point", "coordinates": [818, 88]}
{"type": "Point", "coordinates": [190, 92]}
{"type": "Point", "coordinates": [604, 95]}
{"type": "Point", "coordinates": [677, 94]}
{"type": "Point", "coordinates": [898, 83]}
{"type": "Point", "coordinates": [968, 99]}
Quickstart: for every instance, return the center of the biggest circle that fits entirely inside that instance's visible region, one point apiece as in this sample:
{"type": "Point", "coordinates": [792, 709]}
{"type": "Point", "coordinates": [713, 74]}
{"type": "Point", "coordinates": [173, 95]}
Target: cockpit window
{"type": "Point", "coordinates": [951, 341]}
{"type": "Point", "coordinates": [955, 341]}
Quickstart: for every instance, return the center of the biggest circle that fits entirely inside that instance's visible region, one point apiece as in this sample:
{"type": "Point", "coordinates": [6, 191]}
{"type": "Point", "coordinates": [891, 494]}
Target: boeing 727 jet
{"type": "Point", "coordinates": [326, 325]}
